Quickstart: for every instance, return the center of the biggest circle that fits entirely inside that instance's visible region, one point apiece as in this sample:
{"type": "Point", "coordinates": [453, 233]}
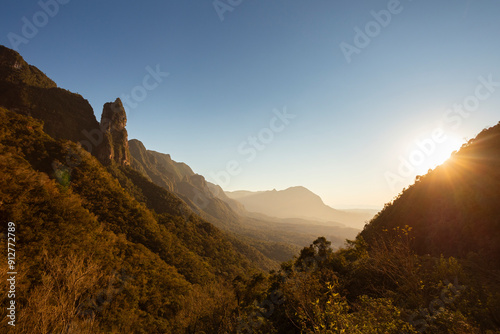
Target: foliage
{"type": "Point", "coordinates": [453, 209]}
{"type": "Point", "coordinates": [84, 210]}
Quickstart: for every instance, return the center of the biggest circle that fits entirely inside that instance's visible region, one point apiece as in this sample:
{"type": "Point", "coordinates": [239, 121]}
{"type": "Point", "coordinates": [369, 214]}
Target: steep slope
{"type": "Point", "coordinates": [233, 204]}
{"type": "Point", "coordinates": [297, 202]}
{"type": "Point", "coordinates": [94, 217]}
{"type": "Point", "coordinates": [83, 212]}
{"type": "Point", "coordinates": [181, 180]}
{"type": "Point", "coordinates": [26, 90]}
{"type": "Point", "coordinates": [454, 209]}
{"type": "Point", "coordinates": [278, 239]}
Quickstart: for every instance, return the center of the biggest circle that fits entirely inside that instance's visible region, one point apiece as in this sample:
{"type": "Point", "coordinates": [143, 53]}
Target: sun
{"type": "Point", "coordinates": [441, 152]}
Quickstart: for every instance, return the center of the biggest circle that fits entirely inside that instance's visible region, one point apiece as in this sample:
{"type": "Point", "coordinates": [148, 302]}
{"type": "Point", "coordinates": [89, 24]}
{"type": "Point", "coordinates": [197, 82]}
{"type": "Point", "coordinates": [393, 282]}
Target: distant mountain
{"type": "Point", "coordinates": [262, 232]}
{"type": "Point", "coordinates": [109, 244]}
{"type": "Point", "coordinates": [299, 202]}
{"type": "Point", "coordinates": [219, 192]}
{"type": "Point", "coordinates": [180, 179]}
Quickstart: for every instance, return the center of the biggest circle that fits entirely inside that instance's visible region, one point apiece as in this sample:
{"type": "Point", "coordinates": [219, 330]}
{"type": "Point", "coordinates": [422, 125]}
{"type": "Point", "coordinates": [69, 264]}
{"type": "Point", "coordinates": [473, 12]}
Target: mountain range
{"type": "Point", "coordinates": [68, 116]}
{"type": "Point", "coordinates": [299, 202]}
{"type": "Point", "coordinates": [114, 238]}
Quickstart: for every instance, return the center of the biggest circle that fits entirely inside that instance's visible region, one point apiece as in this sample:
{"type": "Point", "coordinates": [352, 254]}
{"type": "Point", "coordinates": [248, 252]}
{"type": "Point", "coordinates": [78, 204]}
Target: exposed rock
{"type": "Point", "coordinates": [26, 90]}
{"type": "Point", "coordinates": [15, 70]}
{"type": "Point", "coordinates": [115, 146]}
{"type": "Point", "coordinates": [179, 178]}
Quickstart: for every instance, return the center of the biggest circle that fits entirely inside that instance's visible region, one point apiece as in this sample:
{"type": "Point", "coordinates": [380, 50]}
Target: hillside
{"type": "Point", "coordinates": [28, 91]}
{"type": "Point", "coordinates": [427, 263]}
{"type": "Point", "coordinates": [277, 239]}
{"type": "Point", "coordinates": [180, 179]}
{"type": "Point", "coordinates": [453, 210]}
{"type": "Point", "coordinates": [91, 217]}
{"type": "Point", "coordinates": [298, 202]}
{"type": "Point", "coordinates": [110, 237]}
{"type": "Point", "coordinates": [83, 212]}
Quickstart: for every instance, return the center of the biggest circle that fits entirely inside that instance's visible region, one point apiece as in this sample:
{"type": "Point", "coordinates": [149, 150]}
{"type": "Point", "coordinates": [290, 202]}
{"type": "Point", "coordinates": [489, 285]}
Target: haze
{"type": "Point", "coordinates": [413, 89]}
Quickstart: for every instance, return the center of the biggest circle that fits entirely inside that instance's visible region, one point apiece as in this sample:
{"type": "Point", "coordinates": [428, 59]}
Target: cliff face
{"type": "Point", "coordinates": [180, 179]}
{"type": "Point", "coordinates": [115, 146]}
{"type": "Point", "coordinates": [17, 71]}
{"type": "Point", "coordinates": [28, 91]}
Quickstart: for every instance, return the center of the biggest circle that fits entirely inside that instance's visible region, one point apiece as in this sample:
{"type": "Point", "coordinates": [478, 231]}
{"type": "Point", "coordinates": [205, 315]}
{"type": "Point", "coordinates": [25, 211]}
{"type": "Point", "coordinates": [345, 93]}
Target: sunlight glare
{"type": "Point", "coordinates": [441, 154]}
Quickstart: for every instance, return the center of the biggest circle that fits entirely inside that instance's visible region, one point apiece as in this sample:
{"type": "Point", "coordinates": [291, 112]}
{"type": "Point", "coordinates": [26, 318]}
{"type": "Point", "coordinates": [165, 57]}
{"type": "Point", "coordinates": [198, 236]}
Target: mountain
{"type": "Point", "coordinates": [277, 239]}
{"type": "Point", "coordinates": [299, 202]}
{"type": "Point", "coordinates": [452, 210]}
{"type": "Point", "coordinates": [102, 248]}
{"type": "Point", "coordinates": [235, 205]}
{"type": "Point", "coordinates": [28, 91]}
{"type": "Point", "coordinates": [427, 263]}
{"type": "Point", "coordinates": [110, 237]}
{"type": "Point", "coordinates": [65, 115]}
{"type": "Point", "coordinates": [180, 179]}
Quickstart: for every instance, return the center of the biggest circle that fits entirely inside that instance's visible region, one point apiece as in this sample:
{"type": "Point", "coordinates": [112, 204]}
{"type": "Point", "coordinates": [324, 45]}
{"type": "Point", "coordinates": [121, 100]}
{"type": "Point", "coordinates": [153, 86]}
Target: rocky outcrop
{"type": "Point", "coordinates": [26, 90]}
{"type": "Point", "coordinates": [15, 70]}
{"type": "Point", "coordinates": [115, 146]}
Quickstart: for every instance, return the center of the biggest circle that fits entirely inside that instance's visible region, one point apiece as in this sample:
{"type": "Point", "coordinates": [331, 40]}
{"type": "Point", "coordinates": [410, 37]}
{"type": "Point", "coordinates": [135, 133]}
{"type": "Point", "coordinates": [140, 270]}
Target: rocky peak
{"type": "Point", "coordinates": [15, 70]}
{"type": "Point", "coordinates": [26, 90]}
{"type": "Point", "coordinates": [115, 147]}
{"type": "Point", "coordinates": [114, 116]}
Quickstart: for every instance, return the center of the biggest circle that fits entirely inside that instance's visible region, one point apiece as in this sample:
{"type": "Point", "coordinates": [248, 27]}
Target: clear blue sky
{"type": "Point", "coordinates": [353, 121]}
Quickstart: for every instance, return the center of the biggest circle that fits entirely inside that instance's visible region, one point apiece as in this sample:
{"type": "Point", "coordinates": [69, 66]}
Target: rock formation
{"type": "Point", "coordinates": [28, 91]}
{"type": "Point", "coordinates": [115, 146]}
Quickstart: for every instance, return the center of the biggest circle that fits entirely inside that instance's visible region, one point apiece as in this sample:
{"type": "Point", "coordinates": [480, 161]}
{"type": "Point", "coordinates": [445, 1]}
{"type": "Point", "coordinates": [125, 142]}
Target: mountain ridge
{"type": "Point", "coordinates": [298, 202]}
{"type": "Point", "coordinates": [452, 209]}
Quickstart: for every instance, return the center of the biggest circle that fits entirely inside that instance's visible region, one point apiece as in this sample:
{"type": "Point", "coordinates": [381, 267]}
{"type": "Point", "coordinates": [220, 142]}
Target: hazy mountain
{"type": "Point", "coordinates": [92, 226]}
{"type": "Point", "coordinates": [276, 238]}
{"type": "Point", "coordinates": [180, 179]}
{"type": "Point", "coordinates": [219, 192]}
{"type": "Point", "coordinates": [117, 238]}
{"type": "Point", "coordinates": [299, 202]}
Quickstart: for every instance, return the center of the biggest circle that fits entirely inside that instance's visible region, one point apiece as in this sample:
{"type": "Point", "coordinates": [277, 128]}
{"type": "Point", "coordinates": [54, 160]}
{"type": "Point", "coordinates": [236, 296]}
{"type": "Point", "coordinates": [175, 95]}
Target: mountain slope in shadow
{"type": "Point", "coordinates": [452, 210]}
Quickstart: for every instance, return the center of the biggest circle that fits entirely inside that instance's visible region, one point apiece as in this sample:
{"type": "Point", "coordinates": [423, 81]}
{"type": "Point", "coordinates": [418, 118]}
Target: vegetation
{"type": "Point", "coordinates": [102, 249]}
{"type": "Point", "coordinates": [453, 209]}
{"type": "Point", "coordinates": [385, 288]}
{"type": "Point", "coordinates": [83, 213]}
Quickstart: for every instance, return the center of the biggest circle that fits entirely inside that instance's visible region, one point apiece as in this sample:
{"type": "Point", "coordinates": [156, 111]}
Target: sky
{"type": "Point", "coordinates": [351, 99]}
